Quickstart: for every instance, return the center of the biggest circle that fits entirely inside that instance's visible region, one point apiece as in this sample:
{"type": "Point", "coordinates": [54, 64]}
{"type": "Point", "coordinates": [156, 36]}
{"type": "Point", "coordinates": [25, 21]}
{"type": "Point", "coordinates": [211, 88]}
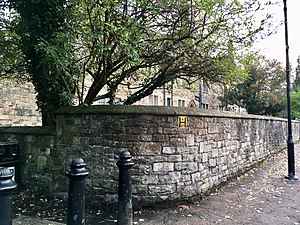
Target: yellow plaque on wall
{"type": "Point", "coordinates": [182, 121]}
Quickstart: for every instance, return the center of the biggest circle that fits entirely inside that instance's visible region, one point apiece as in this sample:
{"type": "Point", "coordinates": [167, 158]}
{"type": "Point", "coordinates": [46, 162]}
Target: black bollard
{"type": "Point", "coordinates": [125, 192]}
{"type": "Point", "coordinates": [7, 185]}
{"type": "Point", "coordinates": [76, 200]}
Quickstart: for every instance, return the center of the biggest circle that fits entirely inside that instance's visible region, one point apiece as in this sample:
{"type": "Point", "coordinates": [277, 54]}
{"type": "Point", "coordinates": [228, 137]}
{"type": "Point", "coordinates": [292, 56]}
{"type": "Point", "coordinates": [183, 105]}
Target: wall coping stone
{"type": "Point", "coordinates": [156, 110]}
{"type": "Point", "coordinates": [38, 130]}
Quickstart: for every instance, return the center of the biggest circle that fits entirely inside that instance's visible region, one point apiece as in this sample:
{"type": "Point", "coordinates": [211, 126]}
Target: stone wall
{"type": "Point", "coordinates": [172, 163]}
{"type": "Point", "coordinates": [38, 155]}
{"type": "Point", "coordinates": [17, 104]}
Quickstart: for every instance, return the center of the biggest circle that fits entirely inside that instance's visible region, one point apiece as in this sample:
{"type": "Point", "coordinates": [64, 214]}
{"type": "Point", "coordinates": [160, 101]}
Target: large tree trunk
{"type": "Point", "coordinates": [51, 90]}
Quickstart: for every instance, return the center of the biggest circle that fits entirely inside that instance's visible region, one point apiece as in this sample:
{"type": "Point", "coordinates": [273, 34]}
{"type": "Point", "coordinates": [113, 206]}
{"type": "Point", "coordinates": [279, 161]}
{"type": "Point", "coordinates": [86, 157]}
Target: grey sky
{"type": "Point", "coordinates": [274, 45]}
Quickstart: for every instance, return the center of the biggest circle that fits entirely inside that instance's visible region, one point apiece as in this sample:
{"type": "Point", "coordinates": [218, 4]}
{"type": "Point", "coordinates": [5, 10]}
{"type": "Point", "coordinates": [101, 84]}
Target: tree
{"type": "Point", "coordinates": [12, 60]}
{"type": "Point", "coordinates": [262, 92]}
{"type": "Point", "coordinates": [120, 41]}
{"type": "Point", "coordinates": [136, 44]}
{"type": "Point", "coordinates": [53, 78]}
{"type": "Point", "coordinates": [295, 103]}
{"type": "Point", "coordinates": [295, 93]}
{"type": "Point", "coordinates": [296, 83]}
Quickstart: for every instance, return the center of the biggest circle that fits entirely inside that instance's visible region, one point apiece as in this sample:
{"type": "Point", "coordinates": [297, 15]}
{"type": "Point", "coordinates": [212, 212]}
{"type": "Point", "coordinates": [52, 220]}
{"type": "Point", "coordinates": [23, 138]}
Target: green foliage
{"type": "Point", "coordinates": [117, 41]}
{"type": "Point", "coordinates": [140, 45]}
{"type": "Point", "coordinates": [296, 83]}
{"type": "Point", "coordinates": [295, 103]}
{"type": "Point", "coordinates": [35, 29]}
{"type": "Point", "coordinates": [262, 92]}
{"type": "Point", "coordinates": [12, 60]}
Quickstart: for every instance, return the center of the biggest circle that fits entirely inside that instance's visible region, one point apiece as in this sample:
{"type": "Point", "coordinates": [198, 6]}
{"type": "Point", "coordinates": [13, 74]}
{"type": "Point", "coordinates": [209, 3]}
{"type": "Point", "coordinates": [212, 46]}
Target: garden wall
{"type": "Point", "coordinates": [176, 158]}
{"type": "Point", "coordinates": [38, 156]}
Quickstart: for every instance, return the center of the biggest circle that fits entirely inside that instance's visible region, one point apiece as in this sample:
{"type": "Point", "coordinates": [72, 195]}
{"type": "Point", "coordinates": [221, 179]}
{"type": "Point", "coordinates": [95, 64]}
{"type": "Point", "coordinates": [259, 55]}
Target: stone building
{"type": "Point", "coordinates": [18, 100]}
{"type": "Point", "coordinates": [17, 104]}
{"type": "Point", "coordinates": [177, 94]}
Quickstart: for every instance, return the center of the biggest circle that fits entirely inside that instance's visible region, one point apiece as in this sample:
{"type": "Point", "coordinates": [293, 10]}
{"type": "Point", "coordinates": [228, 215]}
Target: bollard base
{"type": "Point", "coordinates": [291, 177]}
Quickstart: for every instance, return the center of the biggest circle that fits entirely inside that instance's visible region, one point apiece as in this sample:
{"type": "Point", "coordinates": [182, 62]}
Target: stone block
{"type": "Point", "coordinates": [190, 190]}
{"type": "Point", "coordinates": [47, 151]}
{"type": "Point", "coordinates": [191, 150]}
{"type": "Point", "coordinates": [190, 140]}
{"type": "Point", "coordinates": [202, 147]}
{"type": "Point", "coordinates": [224, 168]}
{"type": "Point", "coordinates": [149, 179]}
{"type": "Point", "coordinates": [170, 131]}
{"type": "Point", "coordinates": [170, 178]}
{"type": "Point", "coordinates": [161, 189]}
{"type": "Point", "coordinates": [161, 137]}
{"type": "Point", "coordinates": [133, 137]}
{"type": "Point", "coordinates": [139, 189]}
{"type": "Point", "coordinates": [136, 130]}
{"type": "Point", "coordinates": [197, 157]}
{"type": "Point", "coordinates": [188, 158]}
{"type": "Point", "coordinates": [163, 167]}
{"type": "Point", "coordinates": [185, 178]}
{"type": "Point", "coordinates": [214, 153]}
{"type": "Point", "coordinates": [175, 158]}
{"type": "Point", "coordinates": [41, 161]}
{"type": "Point", "coordinates": [212, 162]}
{"type": "Point", "coordinates": [203, 132]}
{"type": "Point", "coordinates": [177, 142]}
{"type": "Point", "coordinates": [204, 157]}
{"type": "Point", "coordinates": [187, 167]}
{"type": "Point", "coordinates": [146, 137]}
{"type": "Point", "coordinates": [147, 148]}
{"type": "Point", "coordinates": [155, 130]}
{"type": "Point", "coordinates": [144, 169]}
{"type": "Point", "coordinates": [196, 177]}
{"type": "Point", "coordinates": [168, 150]}
{"type": "Point", "coordinates": [213, 128]}
{"type": "Point", "coordinates": [30, 138]}
{"type": "Point", "coordinates": [205, 187]}
{"type": "Point", "coordinates": [111, 198]}
{"type": "Point", "coordinates": [201, 167]}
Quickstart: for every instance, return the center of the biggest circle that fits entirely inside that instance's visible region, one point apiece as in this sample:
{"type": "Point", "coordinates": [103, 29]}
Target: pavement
{"type": "Point", "coordinates": [25, 220]}
{"type": "Point", "coordinates": [262, 196]}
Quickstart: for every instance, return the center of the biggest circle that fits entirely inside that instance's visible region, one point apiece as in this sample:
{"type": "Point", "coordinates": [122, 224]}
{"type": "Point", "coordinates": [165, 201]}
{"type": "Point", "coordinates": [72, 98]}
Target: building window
{"type": "Point", "coordinates": [204, 106]}
{"type": "Point", "coordinates": [181, 103]}
{"type": "Point", "coordinates": [152, 100]}
{"type": "Point", "coordinates": [155, 98]}
{"type": "Point", "coordinates": [168, 101]}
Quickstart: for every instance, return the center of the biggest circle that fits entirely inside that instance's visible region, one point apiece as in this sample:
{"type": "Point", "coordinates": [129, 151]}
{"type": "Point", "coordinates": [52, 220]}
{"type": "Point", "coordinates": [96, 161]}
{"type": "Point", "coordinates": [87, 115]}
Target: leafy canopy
{"type": "Point", "coordinates": [34, 23]}
{"type": "Point", "coordinates": [295, 103]}
{"type": "Point", "coordinates": [144, 44]}
{"type": "Point", "coordinates": [91, 47]}
{"type": "Point", "coordinates": [295, 94]}
{"type": "Point", "coordinates": [262, 92]}
{"type": "Point", "coordinates": [12, 60]}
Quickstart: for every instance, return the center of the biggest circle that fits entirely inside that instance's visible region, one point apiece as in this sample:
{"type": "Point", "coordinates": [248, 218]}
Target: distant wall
{"type": "Point", "coordinates": [17, 104]}
{"type": "Point", "coordinates": [172, 163]}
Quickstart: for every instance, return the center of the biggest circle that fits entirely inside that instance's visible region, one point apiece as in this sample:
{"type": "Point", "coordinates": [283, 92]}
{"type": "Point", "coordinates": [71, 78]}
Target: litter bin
{"type": "Point", "coordinates": [10, 158]}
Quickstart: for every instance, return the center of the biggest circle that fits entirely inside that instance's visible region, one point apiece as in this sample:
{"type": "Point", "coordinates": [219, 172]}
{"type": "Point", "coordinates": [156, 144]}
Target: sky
{"type": "Point", "coordinates": [274, 46]}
